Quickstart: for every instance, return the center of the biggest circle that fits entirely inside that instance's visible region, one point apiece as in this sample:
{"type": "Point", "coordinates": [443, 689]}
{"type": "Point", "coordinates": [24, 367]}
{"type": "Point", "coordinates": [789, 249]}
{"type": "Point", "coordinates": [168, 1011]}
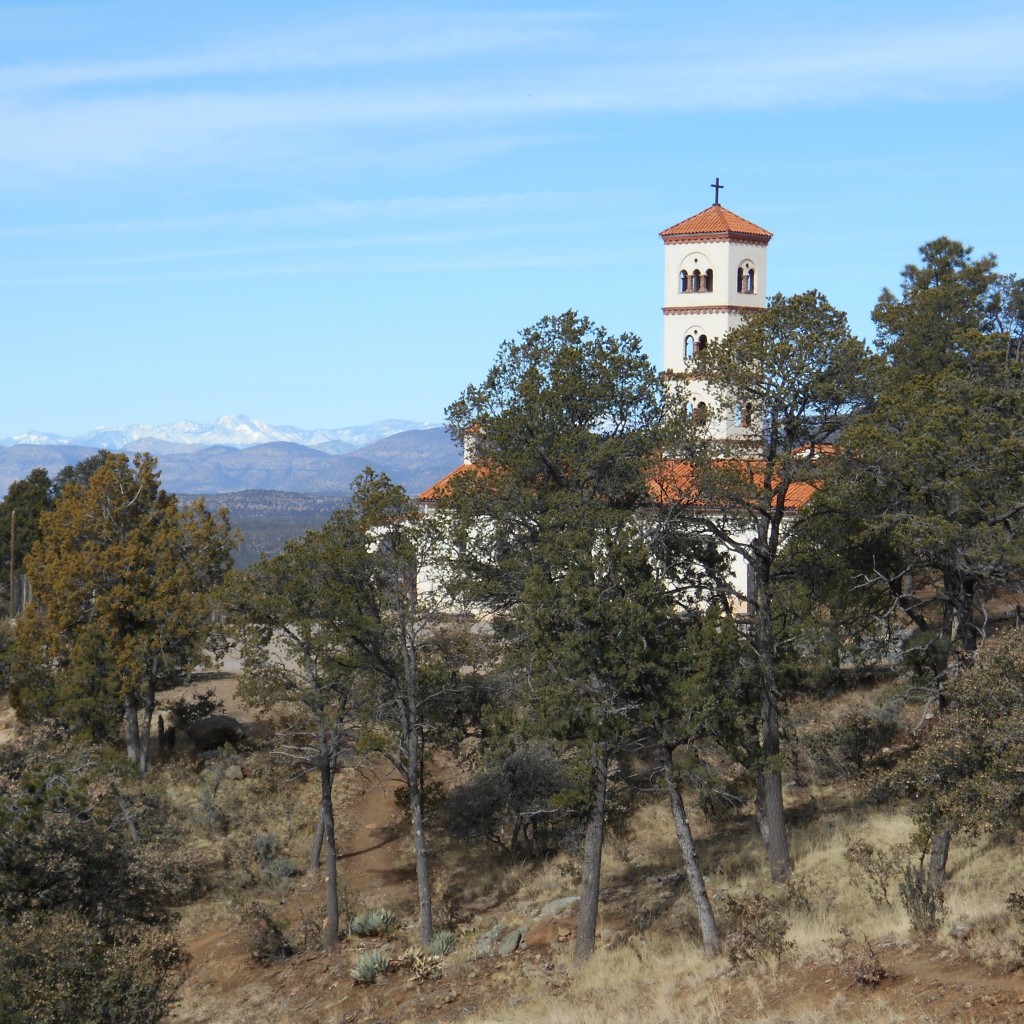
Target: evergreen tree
{"type": "Point", "coordinates": [561, 538]}
{"type": "Point", "coordinates": [802, 372]}
{"type": "Point", "coordinates": [122, 577]}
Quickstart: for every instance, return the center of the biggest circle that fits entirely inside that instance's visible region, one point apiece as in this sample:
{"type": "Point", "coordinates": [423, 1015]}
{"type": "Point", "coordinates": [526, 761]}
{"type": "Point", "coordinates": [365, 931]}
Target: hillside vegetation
{"type": "Point", "coordinates": [627, 718]}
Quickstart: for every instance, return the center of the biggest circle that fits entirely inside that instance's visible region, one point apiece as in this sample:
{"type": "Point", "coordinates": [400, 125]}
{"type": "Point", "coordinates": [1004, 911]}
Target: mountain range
{"type": "Point", "coordinates": [238, 431]}
{"type": "Point", "coordinates": [253, 455]}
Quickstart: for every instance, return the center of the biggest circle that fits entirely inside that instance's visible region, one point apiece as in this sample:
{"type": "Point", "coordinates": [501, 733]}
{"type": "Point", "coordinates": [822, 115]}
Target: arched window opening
{"type": "Point", "coordinates": [702, 344]}
{"type": "Point", "coordinates": [700, 414]}
{"type": "Point", "coordinates": [683, 280]}
{"type": "Point", "coordinates": [688, 347]}
{"type": "Point", "coordinates": [747, 415]}
{"type": "Point", "coordinates": [709, 280]}
{"type": "Point", "coordinates": [740, 278]}
{"type": "Point", "coordinates": [750, 280]}
{"type": "Point", "coordinates": [696, 280]}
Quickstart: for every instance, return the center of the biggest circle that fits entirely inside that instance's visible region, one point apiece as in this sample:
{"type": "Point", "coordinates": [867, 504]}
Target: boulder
{"type": "Point", "coordinates": [510, 943]}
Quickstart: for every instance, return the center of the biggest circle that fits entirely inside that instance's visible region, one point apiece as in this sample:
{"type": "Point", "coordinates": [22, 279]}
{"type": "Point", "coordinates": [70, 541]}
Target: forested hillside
{"type": "Point", "coordinates": [537, 750]}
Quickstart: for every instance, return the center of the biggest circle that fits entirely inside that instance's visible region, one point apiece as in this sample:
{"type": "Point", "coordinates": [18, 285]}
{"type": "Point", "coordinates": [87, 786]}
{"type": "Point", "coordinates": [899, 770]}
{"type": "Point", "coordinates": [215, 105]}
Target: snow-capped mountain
{"type": "Point", "coordinates": [236, 431]}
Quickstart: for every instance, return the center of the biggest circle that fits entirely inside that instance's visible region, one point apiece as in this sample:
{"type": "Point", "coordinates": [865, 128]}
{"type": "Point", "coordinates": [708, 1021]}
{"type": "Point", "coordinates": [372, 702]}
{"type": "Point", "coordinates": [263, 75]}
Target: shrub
{"type": "Point", "coordinates": [60, 968]}
{"type": "Point", "coordinates": [186, 710]}
{"type": "Point", "coordinates": [876, 867]}
{"type": "Point", "coordinates": [845, 749]}
{"type": "Point", "coordinates": [271, 862]}
{"type": "Point", "coordinates": [266, 936]}
{"type": "Point", "coordinates": [512, 804]}
{"type": "Point", "coordinates": [757, 929]}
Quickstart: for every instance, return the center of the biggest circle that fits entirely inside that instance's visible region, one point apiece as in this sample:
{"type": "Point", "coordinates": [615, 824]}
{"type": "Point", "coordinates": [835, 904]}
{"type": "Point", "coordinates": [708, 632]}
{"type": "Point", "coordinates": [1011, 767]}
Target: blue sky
{"type": "Point", "coordinates": [325, 214]}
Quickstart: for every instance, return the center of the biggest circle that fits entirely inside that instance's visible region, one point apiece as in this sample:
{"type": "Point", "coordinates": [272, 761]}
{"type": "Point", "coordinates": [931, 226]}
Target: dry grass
{"type": "Point", "coordinates": [829, 913]}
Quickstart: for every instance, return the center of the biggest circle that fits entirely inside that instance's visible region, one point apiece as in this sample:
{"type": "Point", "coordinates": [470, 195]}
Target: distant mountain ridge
{"type": "Point", "coordinates": [413, 458]}
{"type": "Point", "coordinates": [238, 431]}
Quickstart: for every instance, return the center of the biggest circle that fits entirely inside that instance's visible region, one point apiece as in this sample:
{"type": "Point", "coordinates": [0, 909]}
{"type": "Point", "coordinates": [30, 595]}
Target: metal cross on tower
{"type": "Point", "coordinates": [717, 186]}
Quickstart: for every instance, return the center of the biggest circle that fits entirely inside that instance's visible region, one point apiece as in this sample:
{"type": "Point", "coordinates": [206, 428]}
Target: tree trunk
{"type": "Point", "coordinates": [938, 857]}
{"type": "Point", "coordinates": [131, 727]}
{"type": "Point", "coordinates": [149, 707]}
{"type": "Point", "coordinates": [694, 875]}
{"type": "Point", "coordinates": [771, 817]}
{"type": "Point", "coordinates": [318, 845]}
{"type": "Point", "coordinates": [590, 890]}
{"type": "Point", "coordinates": [327, 823]}
{"type": "Point", "coordinates": [419, 839]}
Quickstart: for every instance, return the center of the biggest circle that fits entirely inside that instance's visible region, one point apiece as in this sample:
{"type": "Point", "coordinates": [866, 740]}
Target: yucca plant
{"type": "Point", "coordinates": [376, 922]}
{"type": "Point", "coordinates": [369, 965]}
{"type": "Point", "coordinates": [443, 944]}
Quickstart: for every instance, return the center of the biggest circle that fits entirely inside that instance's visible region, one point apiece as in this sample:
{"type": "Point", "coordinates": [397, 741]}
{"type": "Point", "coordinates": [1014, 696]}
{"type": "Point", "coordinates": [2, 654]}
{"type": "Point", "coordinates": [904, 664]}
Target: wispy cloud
{"type": "Point", "coordinates": [406, 39]}
{"type": "Point", "coordinates": [333, 212]}
{"type": "Point", "coordinates": [386, 80]}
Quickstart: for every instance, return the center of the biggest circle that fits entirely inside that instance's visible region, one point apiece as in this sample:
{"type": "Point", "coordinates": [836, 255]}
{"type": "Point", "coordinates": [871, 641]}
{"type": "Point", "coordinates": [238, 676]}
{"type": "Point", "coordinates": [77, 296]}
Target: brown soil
{"type": "Point", "coordinates": [226, 985]}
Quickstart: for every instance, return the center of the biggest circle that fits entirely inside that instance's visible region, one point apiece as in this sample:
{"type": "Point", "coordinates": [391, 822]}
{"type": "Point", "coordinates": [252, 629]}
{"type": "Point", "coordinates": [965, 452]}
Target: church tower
{"type": "Point", "coordinates": [715, 273]}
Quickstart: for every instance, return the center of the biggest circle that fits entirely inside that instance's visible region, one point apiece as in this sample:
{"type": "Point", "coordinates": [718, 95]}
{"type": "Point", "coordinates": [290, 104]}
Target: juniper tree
{"type": "Point", "coordinates": [122, 576]}
{"type": "Point", "coordinates": [801, 371]}
{"type": "Point", "coordinates": [561, 530]}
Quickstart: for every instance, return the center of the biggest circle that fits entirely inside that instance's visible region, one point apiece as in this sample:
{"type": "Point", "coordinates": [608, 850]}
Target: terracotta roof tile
{"type": "Point", "coordinates": [717, 220]}
{"type": "Point", "coordinates": [437, 491]}
{"type": "Point", "coordinates": [675, 481]}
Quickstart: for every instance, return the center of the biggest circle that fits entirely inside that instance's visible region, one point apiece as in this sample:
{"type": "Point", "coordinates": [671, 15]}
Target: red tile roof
{"type": "Point", "coordinates": [716, 222]}
{"type": "Point", "coordinates": [675, 481]}
{"type": "Point", "coordinates": [678, 482]}
{"type": "Point", "coordinates": [437, 491]}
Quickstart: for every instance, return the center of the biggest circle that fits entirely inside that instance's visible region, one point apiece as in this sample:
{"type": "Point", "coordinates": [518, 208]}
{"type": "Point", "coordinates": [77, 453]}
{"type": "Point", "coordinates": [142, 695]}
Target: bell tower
{"type": "Point", "coordinates": [715, 273]}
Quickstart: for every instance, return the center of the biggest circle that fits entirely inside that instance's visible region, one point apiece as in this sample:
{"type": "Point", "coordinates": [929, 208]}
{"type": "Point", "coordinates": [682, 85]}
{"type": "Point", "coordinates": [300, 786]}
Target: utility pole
{"type": "Point", "coordinates": [10, 600]}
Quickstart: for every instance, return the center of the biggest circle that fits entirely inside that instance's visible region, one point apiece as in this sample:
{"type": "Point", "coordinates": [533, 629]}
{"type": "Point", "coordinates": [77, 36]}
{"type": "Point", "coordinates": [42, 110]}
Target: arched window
{"type": "Point", "coordinates": [750, 280]}
{"type": "Point", "coordinates": [708, 280]}
{"type": "Point", "coordinates": [696, 280]}
{"type": "Point", "coordinates": [688, 347]}
{"type": "Point", "coordinates": [747, 415]}
{"type": "Point", "coordinates": [683, 280]}
{"type": "Point", "coordinates": [739, 279]}
{"type": "Point", "coordinates": [702, 343]}
{"type": "Point", "coordinates": [700, 414]}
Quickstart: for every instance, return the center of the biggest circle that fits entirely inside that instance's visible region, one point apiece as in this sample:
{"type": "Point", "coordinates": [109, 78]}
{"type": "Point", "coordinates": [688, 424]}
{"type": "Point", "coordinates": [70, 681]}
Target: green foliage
{"type": "Point", "coordinates": [967, 769]}
{"type": "Point", "coordinates": [186, 710]}
{"type": "Point", "coordinates": [945, 307]}
{"type": "Point", "coordinates": [576, 557]}
{"type": "Point", "coordinates": [60, 968]}
{"type": "Point", "coordinates": [512, 803]}
{"type": "Point", "coordinates": [757, 929]}
{"type": "Point", "coordinates": [369, 965]}
{"type": "Point", "coordinates": [443, 944]}
{"type": "Point", "coordinates": [122, 578]}
{"type": "Point", "coordinates": [845, 749]}
{"type": "Point", "coordinates": [920, 520]}
{"type": "Point", "coordinates": [84, 908]}
{"type": "Point", "coordinates": [26, 500]}
{"type": "Point", "coordinates": [375, 922]}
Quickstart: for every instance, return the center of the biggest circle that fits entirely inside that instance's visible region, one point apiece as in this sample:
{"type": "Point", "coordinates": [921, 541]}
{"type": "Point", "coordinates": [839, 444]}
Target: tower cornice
{"type": "Point", "coordinates": [704, 310]}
